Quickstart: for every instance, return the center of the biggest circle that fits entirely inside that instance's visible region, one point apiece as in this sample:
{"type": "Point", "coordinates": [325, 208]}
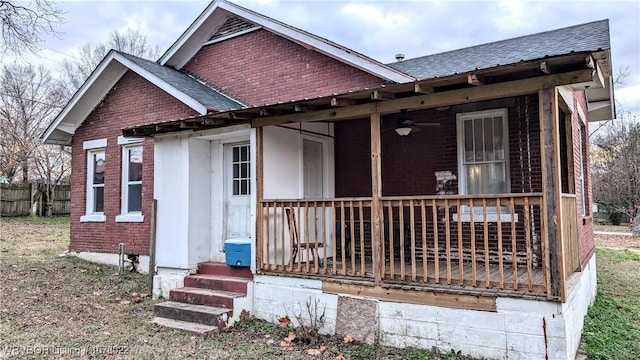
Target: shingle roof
{"type": "Point", "coordinates": [199, 91]}
{"type": "Point", "coordinates": [587, 37]}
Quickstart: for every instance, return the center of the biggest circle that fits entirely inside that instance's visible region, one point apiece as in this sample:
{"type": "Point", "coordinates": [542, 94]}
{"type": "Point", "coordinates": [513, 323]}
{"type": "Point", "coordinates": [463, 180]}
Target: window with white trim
{"type": "Point", "coordinates": [132, 179]}
{"type": "Point", "coordinates": [96, 173]}
{"type": "Point", "coordinates": [483, 159]}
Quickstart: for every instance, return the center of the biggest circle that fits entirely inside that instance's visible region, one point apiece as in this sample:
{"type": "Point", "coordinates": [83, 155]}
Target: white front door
{"type": "Point", "coordinates": [237, 190]}
{"type": "Point", "coordinates": [313, 176]}
{"type": "Point", "coordinates": [313, 187]}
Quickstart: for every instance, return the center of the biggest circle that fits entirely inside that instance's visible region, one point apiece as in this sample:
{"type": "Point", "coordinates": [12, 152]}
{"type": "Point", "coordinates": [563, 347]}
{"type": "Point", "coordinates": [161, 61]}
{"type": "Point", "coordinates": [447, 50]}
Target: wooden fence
{"type": "Point", "coordinates": [18, 199]}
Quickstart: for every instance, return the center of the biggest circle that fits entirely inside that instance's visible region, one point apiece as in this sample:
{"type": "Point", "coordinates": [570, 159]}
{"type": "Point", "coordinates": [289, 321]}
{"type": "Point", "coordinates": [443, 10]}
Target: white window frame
{"type": "Point", "coordinates": [92, 147]}
{"type": "Point", "coordinates": [125, 215]}
{"type": "Point", "coordinates": [491, 211]}
{"type": "Point", "coordinates": [583, 193]}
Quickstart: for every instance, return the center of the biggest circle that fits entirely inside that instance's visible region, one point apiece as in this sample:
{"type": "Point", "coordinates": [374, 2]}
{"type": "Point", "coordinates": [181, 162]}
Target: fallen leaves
{"type": "Point", "coordinates": [348, 339]}
{"type": "Point", "coordinates": [284, 321]}
{"type": "Point", "coordinates": [316, 352]}
{"type": "Point", "coordinates": [244, 314]}
{"type": "Point", "coordinates": [286, 343]}
{"type": "Point", "coordinates": [97, 293]}
{"type": "Point", "coordinates": [340, 357]}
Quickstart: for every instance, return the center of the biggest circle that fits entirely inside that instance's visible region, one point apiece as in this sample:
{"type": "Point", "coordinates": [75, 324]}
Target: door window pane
{"type": "Point", "coordinates": [241, 170]}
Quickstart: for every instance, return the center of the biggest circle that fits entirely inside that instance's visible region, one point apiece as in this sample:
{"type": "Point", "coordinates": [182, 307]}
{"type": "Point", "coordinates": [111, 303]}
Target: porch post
{"type": "Point", "coordinates": [376, 193]}
{"type": "Point", "coordinates": [259, 197]}
{"type": "Point", "coordinates": [551, 187]}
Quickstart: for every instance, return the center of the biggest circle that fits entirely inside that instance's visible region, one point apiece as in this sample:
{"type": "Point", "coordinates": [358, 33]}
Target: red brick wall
{"type": "Point", "coordinates": [262, 68]}
{"type": "Point", "coordinates": [409, 163]}
{"type": "Point", "coordinates": [131, 102]}
{"type": "Point", "coordinates": [585, 224]}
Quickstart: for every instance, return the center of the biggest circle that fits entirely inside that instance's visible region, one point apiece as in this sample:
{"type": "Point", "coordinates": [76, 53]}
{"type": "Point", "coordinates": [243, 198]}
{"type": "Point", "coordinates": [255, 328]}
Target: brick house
{"type": "Point", "coordinates": [445, 198]}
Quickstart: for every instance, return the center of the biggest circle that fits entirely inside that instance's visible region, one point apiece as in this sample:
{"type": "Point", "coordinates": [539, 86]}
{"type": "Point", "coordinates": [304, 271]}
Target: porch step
{"type": "Point", "coordinates": [200, 314]}
{"type": "Point", "coordinates": [191, 328]}
{"type": "Point", "coordinates": [198, 296]}
{"type": "Point", "coordinates": [217, 282]}
{"type": "Point", "coordinates": [222, 269]}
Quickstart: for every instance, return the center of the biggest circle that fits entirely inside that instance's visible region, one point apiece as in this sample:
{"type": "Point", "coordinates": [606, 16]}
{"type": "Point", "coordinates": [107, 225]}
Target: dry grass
{"type": "Point", "coordinates": [616, 228]}
{"type": "Point", "coordinates": [63, 307]}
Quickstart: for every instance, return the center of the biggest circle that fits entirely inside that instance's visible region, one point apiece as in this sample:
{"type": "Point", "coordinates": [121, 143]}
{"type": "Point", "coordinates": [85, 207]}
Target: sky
{"type": "Point", "coordinates": [378, 29]}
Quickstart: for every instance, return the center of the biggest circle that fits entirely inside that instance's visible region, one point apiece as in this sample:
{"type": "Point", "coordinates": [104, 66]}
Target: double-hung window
{"type": "Point", "coordinates": [483, 159]}
{"type": "Point", "coordinates": [96, 172]}
{"type": "Point", "coordinates": [131, 188]}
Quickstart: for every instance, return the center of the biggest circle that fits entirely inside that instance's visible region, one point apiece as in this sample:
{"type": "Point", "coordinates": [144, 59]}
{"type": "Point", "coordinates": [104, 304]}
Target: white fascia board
{"type": "Point", "coordinates": [72, 115]}
{"type": "Point", "coordinates": [187, 35]}
{"type": "Point", "coordinates": [178, 60]}
{"type": "Point", "coordinates": [168, 88]}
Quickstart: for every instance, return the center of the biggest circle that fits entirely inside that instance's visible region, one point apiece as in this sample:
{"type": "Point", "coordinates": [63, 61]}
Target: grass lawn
{"type": "Point", "coordinates": [55, 306]}
{"type": "Point", "coordinates": [74, 309]}
{"type": "Point", "coordinates": [612, 326]}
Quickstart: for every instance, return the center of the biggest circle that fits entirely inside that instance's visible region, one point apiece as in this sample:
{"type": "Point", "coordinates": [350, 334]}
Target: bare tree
{"type": "Point", "coordinates": [53, 163]}
{"type": "Point", "coordinates": [29, 98]}
{"type": "Point", "coordinates": [78, 69]}
{"type": "Point", "coordinates": [24, 22]}
{"type": "Point", "coordinates": [616, 166]}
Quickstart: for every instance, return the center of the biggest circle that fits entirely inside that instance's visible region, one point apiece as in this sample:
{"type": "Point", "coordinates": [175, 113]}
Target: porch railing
{"type": "Point", "coordinates": [476, 241]}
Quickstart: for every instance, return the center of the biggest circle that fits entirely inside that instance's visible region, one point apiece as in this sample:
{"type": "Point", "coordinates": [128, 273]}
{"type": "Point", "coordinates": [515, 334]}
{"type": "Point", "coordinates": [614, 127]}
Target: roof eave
{"type": "Point", "coordinates": [193, 38]}
{"type": "Point", "coordinates": [101, 81]}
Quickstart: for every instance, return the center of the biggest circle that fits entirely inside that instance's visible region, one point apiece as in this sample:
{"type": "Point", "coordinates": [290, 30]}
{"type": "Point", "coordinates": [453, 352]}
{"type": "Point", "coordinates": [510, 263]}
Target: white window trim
{"type": "Point", "coordinates": [93, 146]}
{"type": "Point", "coordinates": [581, 178]}
{"type": "Point", "coordinates": [130, 217]}
{"type": "Point", "coordinates": [129, 141]}
{"type": "Point", "coordinates": [127, 216]}
{"type": "Point", "coordinates": [492, 211]}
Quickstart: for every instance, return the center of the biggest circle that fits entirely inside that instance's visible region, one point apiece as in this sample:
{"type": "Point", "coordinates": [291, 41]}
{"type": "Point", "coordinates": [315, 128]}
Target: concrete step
{"type": "Point", "coordinates": [201, 314]}
{"type": "Point", "coordinates": [197, 296]}
{"type": "Point", "coordinates": [214, 268]}
{"type": "Point", "coordinates": [191, 328]}
{"type": "Point", "coordinates": [217, 282]}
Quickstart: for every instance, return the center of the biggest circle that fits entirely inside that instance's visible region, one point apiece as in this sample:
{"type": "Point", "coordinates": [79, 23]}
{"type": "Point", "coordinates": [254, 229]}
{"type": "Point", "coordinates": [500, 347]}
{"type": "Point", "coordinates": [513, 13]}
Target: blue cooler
{"type": "Point", "coordinates": [238, 252]}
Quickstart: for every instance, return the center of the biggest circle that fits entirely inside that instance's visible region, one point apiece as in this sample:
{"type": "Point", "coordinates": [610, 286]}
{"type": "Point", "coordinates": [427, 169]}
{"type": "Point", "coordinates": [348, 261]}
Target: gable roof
{"type": "Point", "coordinates": [217, 13]}
{"type": "Point", "coordinates": [589, 37]}
{"type": "Point", "coordinates": [185, 88]}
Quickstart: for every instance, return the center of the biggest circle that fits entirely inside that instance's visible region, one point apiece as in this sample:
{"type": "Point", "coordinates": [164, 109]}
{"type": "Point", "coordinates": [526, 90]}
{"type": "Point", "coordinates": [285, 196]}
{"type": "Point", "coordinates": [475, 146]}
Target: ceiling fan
{"type": "Point", "coordinates": [405, 126]}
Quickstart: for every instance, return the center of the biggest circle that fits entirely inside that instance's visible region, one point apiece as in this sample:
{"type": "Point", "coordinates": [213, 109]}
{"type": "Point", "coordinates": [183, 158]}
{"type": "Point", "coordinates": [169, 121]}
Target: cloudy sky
{"type": "Point", "coordinates": [379, 29]}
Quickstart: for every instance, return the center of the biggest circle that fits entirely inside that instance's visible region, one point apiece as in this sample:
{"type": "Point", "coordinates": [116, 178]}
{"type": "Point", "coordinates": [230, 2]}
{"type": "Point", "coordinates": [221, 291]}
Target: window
{"type": "Point", "coordinates": [96, 171]}
{"type": "Point", "coordinates": [241, 164]}
{"type": "Point", "coordinates": [482, 152]}
{"type": "Point", "coordinates": [132, 161]}
{"type": "Point", "coordinates": [483, 159]}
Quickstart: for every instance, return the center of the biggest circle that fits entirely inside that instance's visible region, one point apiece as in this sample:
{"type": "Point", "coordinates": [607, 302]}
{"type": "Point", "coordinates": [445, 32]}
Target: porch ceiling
{"type": "Point", "coordinates": [576, 69]}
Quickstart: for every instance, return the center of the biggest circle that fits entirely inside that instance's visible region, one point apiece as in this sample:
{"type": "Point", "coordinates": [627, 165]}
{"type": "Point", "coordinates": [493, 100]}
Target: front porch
{"type": "Point", "coordinates": [450, 241]}
{"type": "Point", "coordinates": [414, 212]}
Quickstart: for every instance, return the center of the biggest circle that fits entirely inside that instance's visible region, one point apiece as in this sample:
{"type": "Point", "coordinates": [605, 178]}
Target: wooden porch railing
{"type": "Point", "coordinates": [476, 241]}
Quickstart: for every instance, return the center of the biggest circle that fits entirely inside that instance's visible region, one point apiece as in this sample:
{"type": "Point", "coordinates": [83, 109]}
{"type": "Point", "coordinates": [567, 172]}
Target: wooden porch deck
{"type": "Point", "coordinates": [433, 274]}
